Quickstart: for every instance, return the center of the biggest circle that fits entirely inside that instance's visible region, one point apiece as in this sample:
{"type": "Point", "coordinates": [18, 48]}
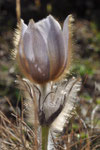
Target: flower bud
{"type": "Point", "coordinates": [44, 49]}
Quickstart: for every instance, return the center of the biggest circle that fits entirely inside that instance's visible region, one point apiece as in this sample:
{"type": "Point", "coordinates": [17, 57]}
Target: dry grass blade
{"type": "Point", "coordinates": [15, 134]}
{"type": "Point", "coordinates": [18, 12]}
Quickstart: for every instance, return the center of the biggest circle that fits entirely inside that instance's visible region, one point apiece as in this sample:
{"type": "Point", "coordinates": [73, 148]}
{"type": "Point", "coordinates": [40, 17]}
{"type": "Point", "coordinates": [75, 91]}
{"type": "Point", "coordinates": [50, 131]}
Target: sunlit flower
{"type": "Point", "coordinates": [44, 54]}
{"type": "Point", "coordinates": [44, 49]}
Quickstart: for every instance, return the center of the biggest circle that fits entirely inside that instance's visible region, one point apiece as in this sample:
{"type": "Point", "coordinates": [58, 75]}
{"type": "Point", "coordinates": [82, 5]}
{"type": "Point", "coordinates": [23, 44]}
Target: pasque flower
{"type": "Point", "coordinates": [44, 54]}
{"type": "Point", "coordinates": [44, 49]}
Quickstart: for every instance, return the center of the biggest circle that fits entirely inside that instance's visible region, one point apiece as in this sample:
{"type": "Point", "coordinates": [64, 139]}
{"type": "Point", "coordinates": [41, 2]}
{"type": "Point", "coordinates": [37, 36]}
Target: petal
{"type": "Point", "coordinates": [51, 31]}
{"type": "Point", "coordinates": [20, 56]}
{"type": "Point", "coordinates": [56, 49]}
{"type": "Point", "coordinates": [35, 52]}
{"type": "Point", "coordinates": [23, 27]}
{"type": "Point", "coordinates": [67, 31]}
{"type": "Point", "coordinates": [44, 24]}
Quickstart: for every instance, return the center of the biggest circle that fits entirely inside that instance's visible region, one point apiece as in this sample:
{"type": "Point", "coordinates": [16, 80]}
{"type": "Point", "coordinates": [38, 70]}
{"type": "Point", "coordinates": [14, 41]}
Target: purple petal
{"type": "Point", "coordinates": [66, 32]}
{"type": "Point", "coordinates": [35, 51]}
{"type": "Point", "coordinates": [23, 27]}
{"type": "Point", "coordinates": [51, 31]}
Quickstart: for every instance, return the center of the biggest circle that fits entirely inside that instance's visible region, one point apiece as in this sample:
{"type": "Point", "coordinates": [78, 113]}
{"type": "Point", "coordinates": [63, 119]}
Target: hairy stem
{"type": "Point", "coordinates": [45, 89]}
{"type": "Point", "coordinates": [45, 130]}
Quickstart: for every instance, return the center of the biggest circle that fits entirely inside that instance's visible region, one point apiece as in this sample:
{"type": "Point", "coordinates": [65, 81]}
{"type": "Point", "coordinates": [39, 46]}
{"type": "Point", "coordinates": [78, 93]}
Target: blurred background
{"type": "Point", "coordinates": [86, 39]}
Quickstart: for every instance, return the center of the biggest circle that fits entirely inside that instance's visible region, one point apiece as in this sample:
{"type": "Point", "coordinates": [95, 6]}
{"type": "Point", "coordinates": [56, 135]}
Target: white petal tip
{"type": "Point", "coordinates": [31, 23]}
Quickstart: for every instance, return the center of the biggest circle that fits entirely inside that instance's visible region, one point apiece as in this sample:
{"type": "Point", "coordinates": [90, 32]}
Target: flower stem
{"type": "Point", "coordinates": [45, 130]}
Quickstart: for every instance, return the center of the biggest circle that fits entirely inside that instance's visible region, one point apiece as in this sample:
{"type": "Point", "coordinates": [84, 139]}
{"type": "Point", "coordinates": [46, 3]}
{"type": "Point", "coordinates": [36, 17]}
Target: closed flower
{"type": "Point", "coordinates": [44, 49]}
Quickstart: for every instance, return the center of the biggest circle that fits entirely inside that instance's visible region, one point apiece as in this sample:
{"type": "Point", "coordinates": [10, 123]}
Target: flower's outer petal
{"type": "Point", "coordinates": [20, 56]}
{"type": "Point", "coordinates": [44, 24]}
{"type": "Point", "coordinates": [23, 27]}
{"type": "Point", "coordinates": [35, 54]}
{"type": "Point", "coordinates": [67, 34]}
{"type": "Point", "coordinates": [66, 31]}
{"type": "Point", "coordinates": [51, 31]}
{"type": "Point", "coordinates": [56, 49]}
{"type": "Point", "coordinates": [19, 32]}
